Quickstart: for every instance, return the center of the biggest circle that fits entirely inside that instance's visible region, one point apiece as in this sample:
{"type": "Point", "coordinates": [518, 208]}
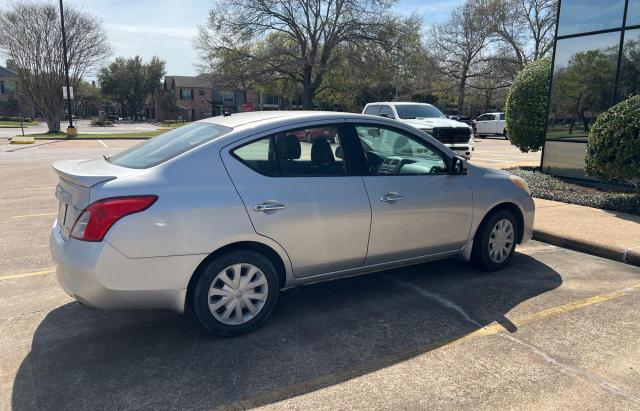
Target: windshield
{"type": "Point", "coordinates": [409, 111]}
{"type": "Point", "coordinates": [168, 145]}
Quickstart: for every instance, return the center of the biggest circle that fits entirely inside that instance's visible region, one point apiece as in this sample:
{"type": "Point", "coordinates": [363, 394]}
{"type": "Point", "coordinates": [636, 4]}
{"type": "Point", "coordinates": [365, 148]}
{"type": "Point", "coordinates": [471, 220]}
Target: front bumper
{"type": "Point", "coordinates": [98, 275]}
{"type": "Point", "coordinates": [465, 150]}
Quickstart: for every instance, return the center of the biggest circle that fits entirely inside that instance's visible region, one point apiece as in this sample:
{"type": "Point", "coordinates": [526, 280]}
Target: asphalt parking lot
{"type": "Point", "coordinates": [557, 329]}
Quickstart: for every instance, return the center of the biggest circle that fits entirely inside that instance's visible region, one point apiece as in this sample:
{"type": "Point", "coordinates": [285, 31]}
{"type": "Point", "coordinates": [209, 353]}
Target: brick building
{"type": "Point", "coordinates": [198, 97]}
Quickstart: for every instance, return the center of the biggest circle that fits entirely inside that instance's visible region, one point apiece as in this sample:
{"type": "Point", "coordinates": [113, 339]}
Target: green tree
{"type": "Point", "coordinates": [131, 81]}
{"type": "Point", "coordinates": [526, 106]}
{"type": "Point", "coordinates": [309, 36]}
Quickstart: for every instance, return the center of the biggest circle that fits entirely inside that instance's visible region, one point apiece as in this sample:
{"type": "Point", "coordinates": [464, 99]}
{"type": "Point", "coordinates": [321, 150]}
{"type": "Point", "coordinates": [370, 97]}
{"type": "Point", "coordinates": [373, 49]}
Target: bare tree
{"type": "Point", "coordinates": [291, 39]}
{"type": "Point", "coordinates": [524, 26]}
{"type": "Point", "coordinates": [458, 46]}
{"type": "Point", "coordinates": [30, 35]}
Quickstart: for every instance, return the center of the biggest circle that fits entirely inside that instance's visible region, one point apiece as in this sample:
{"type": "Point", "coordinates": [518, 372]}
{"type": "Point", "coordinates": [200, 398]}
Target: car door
{"type": "Point", "coordinates": [482, 124]}
{"type": "Point", "coordinates": [418, 208]}
{"type": "Point", "coordinates": [304, 197]}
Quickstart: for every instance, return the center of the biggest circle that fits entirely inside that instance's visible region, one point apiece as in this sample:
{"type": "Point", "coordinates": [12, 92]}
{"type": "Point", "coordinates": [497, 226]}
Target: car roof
{"type": "Point", "coordinates": [241, 119]}
{"type": "Point", "coordinates": [400, 103]}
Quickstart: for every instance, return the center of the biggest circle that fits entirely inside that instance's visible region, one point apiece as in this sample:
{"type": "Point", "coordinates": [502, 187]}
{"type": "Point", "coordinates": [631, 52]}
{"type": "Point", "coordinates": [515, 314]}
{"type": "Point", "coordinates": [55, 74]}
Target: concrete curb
{"type": "Point", "coordinates": [22, 140]}
{"type": "Point", "coordinates": [629, 256]}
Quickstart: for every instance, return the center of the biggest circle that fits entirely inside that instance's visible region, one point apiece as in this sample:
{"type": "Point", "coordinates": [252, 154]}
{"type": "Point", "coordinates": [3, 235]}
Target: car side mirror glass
{"type": "Point", "coordinates": [458, 165]}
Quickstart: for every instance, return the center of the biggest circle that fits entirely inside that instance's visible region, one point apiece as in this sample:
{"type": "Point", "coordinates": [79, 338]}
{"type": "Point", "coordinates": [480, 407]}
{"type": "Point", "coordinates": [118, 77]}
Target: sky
{"type": "Point", "coordinates": [166, 27]}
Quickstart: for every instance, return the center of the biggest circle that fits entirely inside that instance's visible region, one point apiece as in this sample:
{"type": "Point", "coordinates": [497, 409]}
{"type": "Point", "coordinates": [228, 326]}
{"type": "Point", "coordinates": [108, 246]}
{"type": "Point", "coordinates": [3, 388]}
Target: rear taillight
{"type": "Point", "coordinates": [97, 219]}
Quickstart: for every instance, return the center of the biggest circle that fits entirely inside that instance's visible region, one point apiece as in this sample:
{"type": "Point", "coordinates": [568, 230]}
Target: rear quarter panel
{"type": "Point", "coordinates": [197, 211]}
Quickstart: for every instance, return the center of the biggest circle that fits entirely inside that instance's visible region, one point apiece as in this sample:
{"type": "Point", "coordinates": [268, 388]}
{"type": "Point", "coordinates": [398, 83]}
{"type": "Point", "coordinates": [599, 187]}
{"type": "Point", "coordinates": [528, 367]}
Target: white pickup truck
{"type": "Point", "coordinates": [454, 134]}
{"type": "Point", "coordinates": [491, 124]}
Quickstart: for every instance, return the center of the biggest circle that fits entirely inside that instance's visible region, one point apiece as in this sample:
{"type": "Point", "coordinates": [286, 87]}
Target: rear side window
{"type": "Point", "coordinates": [315, 151]}
{"type": "Point", "coordinates": [168, 145]}
{"type": "Point", "coordinates": [502, 116]}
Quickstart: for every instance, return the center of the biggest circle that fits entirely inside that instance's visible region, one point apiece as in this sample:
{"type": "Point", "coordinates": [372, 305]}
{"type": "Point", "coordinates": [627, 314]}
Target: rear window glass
{"type": "Point", "coordinates": [168, 145]}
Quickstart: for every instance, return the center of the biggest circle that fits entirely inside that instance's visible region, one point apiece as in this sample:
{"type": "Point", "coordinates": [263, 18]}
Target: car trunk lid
{"type": "Point", "coordinates": [76, 179]}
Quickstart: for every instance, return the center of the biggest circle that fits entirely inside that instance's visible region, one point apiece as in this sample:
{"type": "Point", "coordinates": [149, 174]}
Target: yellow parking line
{"type": "Point", "coordinates": [574, 305]}
{"type": "Point", "coordinates": [278, 394]}
{"type": "Point", "coordinates": [21, 275]}
{"type": "Point", "coordinates": [31, 215]}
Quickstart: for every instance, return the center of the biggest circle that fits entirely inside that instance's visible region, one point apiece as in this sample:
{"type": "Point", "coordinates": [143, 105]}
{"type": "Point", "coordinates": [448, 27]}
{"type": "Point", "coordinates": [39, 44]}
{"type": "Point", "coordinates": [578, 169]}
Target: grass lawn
{"type": "Point", "coordinates": [112, 136]}
{"type": "Point", "coordinates": [17, 123]}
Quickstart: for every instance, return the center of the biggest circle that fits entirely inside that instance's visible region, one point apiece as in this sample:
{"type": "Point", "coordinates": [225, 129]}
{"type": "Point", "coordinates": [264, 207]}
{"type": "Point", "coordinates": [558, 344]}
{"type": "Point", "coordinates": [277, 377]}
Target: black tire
{"type": "Point", "coordinates": [506, 136]}
{"type": "Point", "coordinates": [480, 254]}
{"type": "Point", "coordinates": [200, 299]}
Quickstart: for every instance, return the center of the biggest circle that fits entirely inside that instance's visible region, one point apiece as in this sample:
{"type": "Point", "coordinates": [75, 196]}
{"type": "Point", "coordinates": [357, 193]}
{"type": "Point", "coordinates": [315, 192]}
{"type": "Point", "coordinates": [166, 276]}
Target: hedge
{"type": "Point", "coordinates": [613, 152]}
{"type": "Point", "coordinates": [526, 106]}
{"type": "Point", "coordinates": [17, 119]}
{"type": "Point", "coordinates": [550, 188]}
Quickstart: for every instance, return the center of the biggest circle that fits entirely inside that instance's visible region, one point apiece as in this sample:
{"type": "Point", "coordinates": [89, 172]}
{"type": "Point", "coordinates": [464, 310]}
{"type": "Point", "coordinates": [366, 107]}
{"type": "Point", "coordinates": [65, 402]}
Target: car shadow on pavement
{"type": "Point", "coordinates": [319, 335]}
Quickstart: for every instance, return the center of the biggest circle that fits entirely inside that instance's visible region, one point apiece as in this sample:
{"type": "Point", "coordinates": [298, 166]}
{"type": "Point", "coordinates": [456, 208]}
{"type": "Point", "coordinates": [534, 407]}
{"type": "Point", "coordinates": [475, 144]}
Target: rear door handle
{"type": "Point", "coordinates": [391, 197]}
{"type": "Point", "coordinates": [262, 207]}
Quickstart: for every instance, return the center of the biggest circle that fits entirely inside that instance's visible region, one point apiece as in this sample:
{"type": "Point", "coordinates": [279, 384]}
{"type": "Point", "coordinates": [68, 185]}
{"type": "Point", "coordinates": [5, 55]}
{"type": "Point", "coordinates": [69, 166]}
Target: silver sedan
{"type": "Point", "coordinates": [216, 217]}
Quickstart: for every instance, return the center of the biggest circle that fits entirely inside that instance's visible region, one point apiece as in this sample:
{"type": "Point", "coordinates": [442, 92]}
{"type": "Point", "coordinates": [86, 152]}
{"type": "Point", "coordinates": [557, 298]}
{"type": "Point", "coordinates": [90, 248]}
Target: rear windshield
{"type": "Point", "coordinates": [168, 145]}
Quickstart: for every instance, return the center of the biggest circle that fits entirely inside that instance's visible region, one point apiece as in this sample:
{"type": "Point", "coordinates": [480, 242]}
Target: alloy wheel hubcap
{"type": "Point", "coordinates": [237, 294]}
{"type": "Point", "coordinates": [501, 241]}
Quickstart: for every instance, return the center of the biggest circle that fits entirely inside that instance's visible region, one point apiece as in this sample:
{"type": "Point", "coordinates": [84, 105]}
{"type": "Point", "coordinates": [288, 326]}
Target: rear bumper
{"type": "Point", "coordinates": [97, 275]}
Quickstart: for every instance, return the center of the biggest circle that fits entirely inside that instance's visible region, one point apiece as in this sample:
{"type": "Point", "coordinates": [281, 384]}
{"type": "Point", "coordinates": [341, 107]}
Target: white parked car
{"type": "Point", "coordinates": [491, 124]}
{"type": "Point", "coordinates": [216, 217]}
{"type": "Point", "coordinates": [456, 135]}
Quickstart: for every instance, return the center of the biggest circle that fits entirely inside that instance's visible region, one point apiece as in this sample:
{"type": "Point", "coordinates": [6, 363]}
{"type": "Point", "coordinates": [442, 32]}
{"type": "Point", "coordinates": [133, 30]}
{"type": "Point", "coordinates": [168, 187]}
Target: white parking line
{"type": "Point", "coordinates": [103, 144]}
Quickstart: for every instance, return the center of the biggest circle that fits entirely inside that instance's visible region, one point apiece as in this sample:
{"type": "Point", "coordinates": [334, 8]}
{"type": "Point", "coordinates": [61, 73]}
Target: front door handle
{"type": "Point", "coordinates": [391, 197]}
{"type": "Point", "coordinates": [262, 207]}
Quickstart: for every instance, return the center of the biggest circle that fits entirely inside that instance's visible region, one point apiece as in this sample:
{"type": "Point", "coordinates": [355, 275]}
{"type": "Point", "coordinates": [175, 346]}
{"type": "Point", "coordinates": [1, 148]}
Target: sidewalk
{"type": "Point", "coordinates": [607, 234]}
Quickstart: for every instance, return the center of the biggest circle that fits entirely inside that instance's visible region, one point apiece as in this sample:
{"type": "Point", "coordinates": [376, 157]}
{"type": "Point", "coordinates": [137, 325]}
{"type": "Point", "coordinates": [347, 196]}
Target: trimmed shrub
{"type": "Point", "coordinates": [613, 152]}
{"type": "Point", "coordinates": [526, 106]}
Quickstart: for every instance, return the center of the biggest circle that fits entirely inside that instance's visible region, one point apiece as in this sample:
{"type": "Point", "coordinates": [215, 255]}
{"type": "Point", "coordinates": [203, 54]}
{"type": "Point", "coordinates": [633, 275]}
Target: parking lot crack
{"type": "Point", "coordinates": [575, 371]}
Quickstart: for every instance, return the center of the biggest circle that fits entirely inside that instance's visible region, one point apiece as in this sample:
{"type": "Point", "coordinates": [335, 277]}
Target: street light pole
{"type": "Point", "coordinates": [66, 70]}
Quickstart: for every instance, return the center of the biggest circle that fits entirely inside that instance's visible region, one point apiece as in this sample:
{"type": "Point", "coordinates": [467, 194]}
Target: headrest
{"type": "Point", "coordinates": [288, 147]}
{"type": "Point", "coordinates": [321, 152]}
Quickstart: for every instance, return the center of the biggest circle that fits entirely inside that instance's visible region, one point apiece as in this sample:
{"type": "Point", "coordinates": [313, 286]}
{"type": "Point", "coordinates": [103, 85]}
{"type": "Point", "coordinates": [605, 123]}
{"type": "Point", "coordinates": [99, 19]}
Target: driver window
{"type": "Point", "coordinates": [392, 152]}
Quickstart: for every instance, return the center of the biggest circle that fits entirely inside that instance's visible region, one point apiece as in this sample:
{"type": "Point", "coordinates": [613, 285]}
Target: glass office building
{"type": "Point", "coordinates": [596, 63]}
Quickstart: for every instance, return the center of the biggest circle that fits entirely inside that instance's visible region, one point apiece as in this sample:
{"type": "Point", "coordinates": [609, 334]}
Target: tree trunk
{"type": "Point", "coordinates": [307, 89]}
{"type": "Point", "coordinates": [53, 121]}
{"type": "Point", "coordinates": [461, 87]}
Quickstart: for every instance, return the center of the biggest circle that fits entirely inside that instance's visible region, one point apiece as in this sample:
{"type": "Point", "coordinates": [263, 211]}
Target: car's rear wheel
{"type": "Point", "coordinates": [504, 133]}
{"type": "Point", "coordinates": [236, 293]}
{"type": "Point", "coordinates": [495, 241]}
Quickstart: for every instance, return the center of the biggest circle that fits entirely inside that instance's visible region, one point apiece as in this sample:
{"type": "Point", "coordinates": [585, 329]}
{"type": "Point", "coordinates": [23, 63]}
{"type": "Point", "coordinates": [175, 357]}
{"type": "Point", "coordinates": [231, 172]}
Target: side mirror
{"type": "Point", "coordinates": [458, 166]}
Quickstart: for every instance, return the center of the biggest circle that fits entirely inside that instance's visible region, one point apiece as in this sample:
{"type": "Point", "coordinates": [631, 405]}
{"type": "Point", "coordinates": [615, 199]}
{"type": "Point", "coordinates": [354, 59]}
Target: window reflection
{"type": "Point", "coordinates": [581, 16]}
{"type": "Point", "coordinates": [629, 82]}
{"type": "Point", "coordinates": [633, 13]}
{"type": "Point", "coordinates": [583, 84]}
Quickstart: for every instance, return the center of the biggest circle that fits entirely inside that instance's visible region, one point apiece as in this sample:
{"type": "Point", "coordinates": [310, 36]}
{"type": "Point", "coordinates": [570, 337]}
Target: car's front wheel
{"type": "Point", "coordinates": [235, 293]}
{"type": "Point", "coordinates": [495, 241]}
